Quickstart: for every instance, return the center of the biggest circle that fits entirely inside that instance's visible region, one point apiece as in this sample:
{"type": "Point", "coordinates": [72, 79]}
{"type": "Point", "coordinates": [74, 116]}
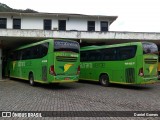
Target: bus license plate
{"type": "Point", "coordinates": [66, 78]}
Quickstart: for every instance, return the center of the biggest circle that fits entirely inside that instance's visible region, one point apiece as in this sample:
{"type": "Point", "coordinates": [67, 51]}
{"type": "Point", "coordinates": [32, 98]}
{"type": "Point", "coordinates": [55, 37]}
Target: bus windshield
{"type": "Point", "coordinates": [70, 46]}
{"type": "Point", "coordinates": [149, 48]}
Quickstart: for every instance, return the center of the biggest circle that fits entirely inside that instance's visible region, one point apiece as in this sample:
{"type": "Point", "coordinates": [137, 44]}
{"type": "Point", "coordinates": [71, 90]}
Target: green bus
{"type": "Point", "coordinates": [48, 61]}
{"type": "Point", "coordinates": [125, 63]}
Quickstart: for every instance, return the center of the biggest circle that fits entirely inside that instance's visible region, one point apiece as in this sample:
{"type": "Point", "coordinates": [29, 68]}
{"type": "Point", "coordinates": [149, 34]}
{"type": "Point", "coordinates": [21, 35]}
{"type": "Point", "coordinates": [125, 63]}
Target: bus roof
{"type": "Point", "coordinates": [109, 46]}
{"type": "Point", "coordinates": [92, 46]}
{"type": "Point", "coordinates": [33, 44]}
{"type": "Point", "coordinates": [37, 43]}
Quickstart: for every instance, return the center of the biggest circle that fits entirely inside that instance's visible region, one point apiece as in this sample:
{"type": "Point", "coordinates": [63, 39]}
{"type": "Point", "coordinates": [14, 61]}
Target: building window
{"type": "Point", "coordinates": [3, 23]}
{"type": "Point", "coordinates": [62, 24]}
{"type": "Point", "coordinates": [47, 24]}
{"type": "Point", "coordinates": [104, 26]}
{"type": "Point", "coordinates": [91, 25]}
{"type": "Point", "coordinates": [16, 23]}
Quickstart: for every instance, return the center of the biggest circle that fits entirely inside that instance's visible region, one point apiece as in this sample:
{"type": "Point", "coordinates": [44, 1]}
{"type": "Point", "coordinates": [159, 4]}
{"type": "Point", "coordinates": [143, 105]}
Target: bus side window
{"type": "Point", "coordinates": [98, 55]}
{"type": "Point", "coordinates": [44, 49]}
{"type": "Point", "coordinates": [26, 54]}
{"type": "Point", "coordinates": [109, 54]}
{"type": "Point", "coordinates": [126, 52]}
{"type": "Point", "coordinates": [35, 52]}
{"type": "Point", "coordinates": [40, 51]}
{"type": "Point", "coordinates": [16, 55]}
{"type": "Point", "coordinates": [83, 56]}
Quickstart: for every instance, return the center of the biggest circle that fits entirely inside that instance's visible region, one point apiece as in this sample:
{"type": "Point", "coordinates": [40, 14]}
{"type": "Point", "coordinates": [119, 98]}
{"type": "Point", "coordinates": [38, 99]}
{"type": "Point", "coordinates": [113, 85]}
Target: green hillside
{"type": "Point", "coordinates": [5, 8]}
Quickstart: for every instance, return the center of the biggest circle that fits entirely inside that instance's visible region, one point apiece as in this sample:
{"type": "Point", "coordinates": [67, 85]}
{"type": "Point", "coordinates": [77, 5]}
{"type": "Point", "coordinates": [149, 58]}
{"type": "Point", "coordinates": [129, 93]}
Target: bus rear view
{"type": "Point", "coordinates": [65, 66]}
{"type": "Point", "coordinates": [47, 61]}
{"type": "Point", "coordinates": [148, 70]}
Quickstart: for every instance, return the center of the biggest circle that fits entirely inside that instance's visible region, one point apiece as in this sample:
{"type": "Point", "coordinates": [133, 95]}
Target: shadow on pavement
{"type": "Point", "coordinates": [53, 86]}
{"type": "Point", "coordinates": [134, 87]}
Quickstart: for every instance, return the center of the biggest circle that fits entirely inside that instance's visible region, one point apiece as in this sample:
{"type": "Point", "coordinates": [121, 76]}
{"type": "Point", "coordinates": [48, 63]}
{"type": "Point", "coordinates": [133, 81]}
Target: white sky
{"type": "Point", "coordinates": [133, 15]}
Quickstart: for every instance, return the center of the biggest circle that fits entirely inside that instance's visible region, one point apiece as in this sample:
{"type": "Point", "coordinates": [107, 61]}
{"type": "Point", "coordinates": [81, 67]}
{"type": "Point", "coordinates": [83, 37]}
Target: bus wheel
{"type": "Point", "coordinates": [104, 80]}
{"type": "Point", "coordinates": [31, 79]}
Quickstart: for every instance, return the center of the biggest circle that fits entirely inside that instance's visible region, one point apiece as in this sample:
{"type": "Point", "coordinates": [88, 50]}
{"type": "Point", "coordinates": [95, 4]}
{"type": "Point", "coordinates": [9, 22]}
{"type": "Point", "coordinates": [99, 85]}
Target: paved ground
{"type": "Point", "coordinates": [18, 95]}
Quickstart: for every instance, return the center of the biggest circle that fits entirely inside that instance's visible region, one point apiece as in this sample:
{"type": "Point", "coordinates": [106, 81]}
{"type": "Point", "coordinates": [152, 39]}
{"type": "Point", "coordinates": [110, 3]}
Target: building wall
{"type": "Point", "coordinates": [31, 23]}
{"type": "Point", "coordinates": [36, 22]}
{"type": "Point", "coordinates": [9, 23]}
{"type": "Point", "coordinates": [76, 24]}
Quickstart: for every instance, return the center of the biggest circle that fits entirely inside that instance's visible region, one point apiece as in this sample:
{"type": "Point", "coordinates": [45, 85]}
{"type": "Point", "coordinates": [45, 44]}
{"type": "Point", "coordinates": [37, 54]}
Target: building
{"type": "Point", "coordinates": [55, 21]}
{"type": "Point", "coordinates": [21, 28]}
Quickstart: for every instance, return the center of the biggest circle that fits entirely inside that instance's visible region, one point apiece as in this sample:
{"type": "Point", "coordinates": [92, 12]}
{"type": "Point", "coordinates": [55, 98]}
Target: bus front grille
{"type": "Point", "coordinates": [130, 75]}
{"type": "Point", "coordinates": [66, 59]}
{"type": "Point", "coordinates": [150, 61]}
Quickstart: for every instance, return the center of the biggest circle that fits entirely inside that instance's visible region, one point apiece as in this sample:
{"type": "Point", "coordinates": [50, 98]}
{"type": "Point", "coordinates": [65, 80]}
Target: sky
{"type": "Point", "coordinates": [133, 15]}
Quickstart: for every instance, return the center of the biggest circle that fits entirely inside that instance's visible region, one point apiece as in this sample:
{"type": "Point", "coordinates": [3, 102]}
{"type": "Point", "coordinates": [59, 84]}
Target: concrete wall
{"type": "Point", "coordinates": [79, 35]}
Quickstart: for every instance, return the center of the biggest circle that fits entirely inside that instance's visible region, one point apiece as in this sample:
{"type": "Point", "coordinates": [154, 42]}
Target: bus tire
{"type": "Point", "coordinates": [31, 79]}
{"type": "Point", "coordinates": [104, 80]}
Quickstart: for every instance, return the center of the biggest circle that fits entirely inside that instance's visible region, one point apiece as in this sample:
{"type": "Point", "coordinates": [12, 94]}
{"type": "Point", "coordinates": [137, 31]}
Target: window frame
{"type": "Point", "coordinates": [104, 28]}
{"type": "Point", "coordinates": [47, 24]}
{"type": "Point", "coordinates": [61, 27]}
{"type": "Point", "coordinates": [113, 54]}
{"type": "Point", "coordinates": [33, 52]}
{"type": "Point", "coordinates": [91, 27]}
{"type": "Point", "coordinates": [16, 26]}
{"type": "Point", "coordinates": [3, 26]}
{"type": "Point", "coordinates": [131, 52]}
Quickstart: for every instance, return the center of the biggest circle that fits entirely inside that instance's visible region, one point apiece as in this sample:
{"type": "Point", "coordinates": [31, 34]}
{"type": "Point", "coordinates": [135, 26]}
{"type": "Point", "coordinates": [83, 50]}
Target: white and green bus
{"type": "Point", "coordinates": [126, 63]}
{"type": "Point", "coordinates": [48, 61]}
